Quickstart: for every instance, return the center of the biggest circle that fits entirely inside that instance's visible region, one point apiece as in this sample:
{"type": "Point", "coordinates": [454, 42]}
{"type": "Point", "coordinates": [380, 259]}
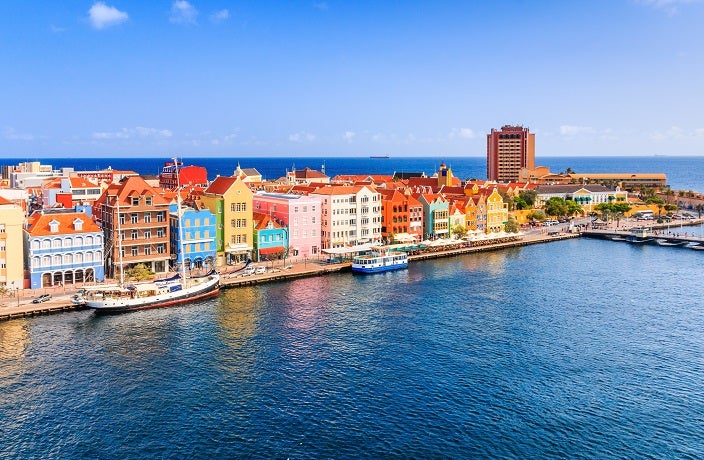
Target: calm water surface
{"type": "Point", "coordinates": [574, 349]}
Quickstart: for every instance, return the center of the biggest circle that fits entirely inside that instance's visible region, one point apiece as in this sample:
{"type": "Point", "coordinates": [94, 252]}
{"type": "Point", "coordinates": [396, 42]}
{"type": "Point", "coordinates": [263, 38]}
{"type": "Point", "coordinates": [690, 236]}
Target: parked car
{"type": "Point", "coordinates": [248, 271]}
{"type": "Point", "coordinates": [260, 271]}
{"type": "Point", "coordinates": [41, 298]}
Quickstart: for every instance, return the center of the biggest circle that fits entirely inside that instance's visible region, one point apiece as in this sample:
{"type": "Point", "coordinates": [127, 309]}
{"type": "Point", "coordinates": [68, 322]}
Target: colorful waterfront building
{"type": "Point", "coordinates": [11, 238]}
{"type": "Point", "coordinates": [402, 216]}
{"type": "Point", "coordinates": [301, 214]}
{"type": "Point", "coordinates": [435, 214]}
{"type": "Point", "coordinates": [141, 214]}
{"type": "Point", "coordinates": [496, 212]}
{"type": "Point", "coordinates": [172, 175]}
{"type": "Point", "coordinates": [270, 238]}
{"type": "Point", "coordinates": [197, 229]}
{"type": "Point", "coordinates": [63, 247]}
{"type": "Point", "coordinates": [588, 195]}
{"type": "Point", "coordinates": [230, 200]}
{"type": "Point", "coordinates": [351, 215]}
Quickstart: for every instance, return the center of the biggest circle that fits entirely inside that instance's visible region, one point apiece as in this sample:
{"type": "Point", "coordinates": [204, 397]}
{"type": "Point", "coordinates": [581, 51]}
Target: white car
{"type": "Point", "coordinates": [248, 271]}
{"type": "Point", "coordinates": [260, 271]}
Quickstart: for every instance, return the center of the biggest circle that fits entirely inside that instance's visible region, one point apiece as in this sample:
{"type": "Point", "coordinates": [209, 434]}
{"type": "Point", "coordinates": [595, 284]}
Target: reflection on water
{"type": "Point", "coordinates": [571, 349]}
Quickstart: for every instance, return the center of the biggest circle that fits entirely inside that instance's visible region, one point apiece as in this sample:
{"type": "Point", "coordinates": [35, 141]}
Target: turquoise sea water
{"type": "Point", "coordinates": [572, 349]}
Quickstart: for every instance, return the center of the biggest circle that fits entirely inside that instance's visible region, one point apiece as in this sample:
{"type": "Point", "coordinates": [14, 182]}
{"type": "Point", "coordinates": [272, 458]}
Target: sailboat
{"type": "Point", "coordinates": [166, 292]}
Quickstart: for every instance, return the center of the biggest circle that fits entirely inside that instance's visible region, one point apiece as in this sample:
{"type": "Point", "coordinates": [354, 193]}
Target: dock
{"type": "Point", "coordinates": [18, 308]}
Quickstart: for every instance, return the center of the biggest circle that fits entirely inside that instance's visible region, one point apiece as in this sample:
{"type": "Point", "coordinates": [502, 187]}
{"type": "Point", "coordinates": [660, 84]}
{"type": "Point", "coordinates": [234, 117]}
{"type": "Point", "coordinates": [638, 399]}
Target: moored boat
{"type": "Point", "coordinates": [119, 298]}
{"type": "Point", "coordinates": [379, 261]}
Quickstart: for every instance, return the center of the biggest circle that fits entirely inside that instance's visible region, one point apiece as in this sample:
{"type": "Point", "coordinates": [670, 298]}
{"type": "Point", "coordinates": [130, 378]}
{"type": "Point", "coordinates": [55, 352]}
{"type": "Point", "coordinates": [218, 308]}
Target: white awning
{"type": "Point", "coordinates": [405, 237]}
{"type": "Point", "coordinates": [350, 249]}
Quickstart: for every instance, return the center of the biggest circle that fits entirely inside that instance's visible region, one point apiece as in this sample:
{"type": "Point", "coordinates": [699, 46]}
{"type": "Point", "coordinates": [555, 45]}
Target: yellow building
{"type": "Point", "coordinates": [230, 199]}
{"type": "Point", "coordinates": [496, 212]}
{"type": "Point", "coordinates": [11, 246]}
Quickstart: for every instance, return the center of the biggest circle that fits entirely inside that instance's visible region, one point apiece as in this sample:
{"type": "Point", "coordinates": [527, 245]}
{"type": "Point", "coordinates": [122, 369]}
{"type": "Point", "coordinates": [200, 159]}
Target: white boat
{"type": "Point", "coordinates": [379, 260]}
{"type": "Point", "coordinates": [178, 289]}
{"type": "Point", "coordinates": [666, 242]}
{"type": "Point", "coordinates": [119, 298]}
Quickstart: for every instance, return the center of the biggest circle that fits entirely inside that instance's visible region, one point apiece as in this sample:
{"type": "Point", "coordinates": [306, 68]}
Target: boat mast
{"type": "Point", "coordinates": [180, 224]}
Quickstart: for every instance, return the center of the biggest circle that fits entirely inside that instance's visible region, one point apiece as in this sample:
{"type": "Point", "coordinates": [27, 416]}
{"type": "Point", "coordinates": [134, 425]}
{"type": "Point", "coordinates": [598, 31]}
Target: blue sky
{"type": "Point", "coordinates": [323, 78]}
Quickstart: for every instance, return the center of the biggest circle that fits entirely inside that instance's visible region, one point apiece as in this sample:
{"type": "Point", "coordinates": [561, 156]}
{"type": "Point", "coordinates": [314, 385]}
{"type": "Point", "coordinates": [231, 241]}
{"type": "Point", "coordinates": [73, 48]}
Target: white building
{"type": "Point", "coordinates": [350, 215]}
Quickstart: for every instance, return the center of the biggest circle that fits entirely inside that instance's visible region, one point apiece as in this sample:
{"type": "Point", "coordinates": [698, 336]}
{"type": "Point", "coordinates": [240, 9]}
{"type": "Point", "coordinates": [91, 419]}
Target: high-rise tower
{"type": "Point", "coordinates": [507, 151]}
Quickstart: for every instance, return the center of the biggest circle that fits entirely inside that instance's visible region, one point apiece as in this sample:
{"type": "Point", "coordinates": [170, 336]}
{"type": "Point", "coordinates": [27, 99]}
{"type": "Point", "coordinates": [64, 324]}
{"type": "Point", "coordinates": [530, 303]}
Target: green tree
{"type": "Point", "coordinates": [556, 206]}
{"type": "Point", "coordinates": [536, 215]}
{"type": "Point", "coordinates": [460, 231]}
{"type": "Point", "coordinates": [512, 226]}
{"type": "Point", "coordinates": [529, 196]}
{"type": "Point", "coordinates": [699, 208]}
{"type": "Point", "coordinates": [138, 273]}
{"type": "Point", "coordinates": [573, 208]}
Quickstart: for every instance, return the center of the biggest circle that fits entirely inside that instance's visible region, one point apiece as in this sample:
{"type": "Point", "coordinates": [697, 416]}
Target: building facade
{"type": "Point", "coordinates": [230, 200]}
{"type": "Point", "coordinates": [350, 215]}
{"type": "Point", "coordinates": [507, 151]}
{"type": "Point", "coordinates": [63, 248]}
{"type": "Point", "coordinates": [301, 214]}
{"type": "Point", "coordinates": [135, 221]}
{"type": "Point", "coordinates": [270, 238]}
{"type": "Point", "coordinates": [11, 237]}
{"type": "Point", "coordinates": [196, 230]}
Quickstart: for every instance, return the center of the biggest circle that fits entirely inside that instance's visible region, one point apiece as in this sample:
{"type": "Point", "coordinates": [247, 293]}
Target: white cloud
{"type": "Point", "coordinates": [101, 15]}
{"type": "Point", "coordinates": [349, 136]}
{"type": "Point", "coordinates": [183, 12]}
{"type": "Point", "coordinates": [462, 133]}
{"type": "Point", "coordinates": [132, 133]}
{"type": "Point", "coordinates": [699, 132]}
{"type": "Point", "coordinates": [674, 132]}
{"type": "Point", "coordinates": [569, 130]}
{"type": "Point", "coordinates": [670, 7]}
{"type": "Point", "coordinates": [321, 6]}
{"type": "Point", "coordinates": [220, 16]}
{"type": "Point", "coordinates": [301, 137]}
{"type": "Point", "coordinates": [11, 134]}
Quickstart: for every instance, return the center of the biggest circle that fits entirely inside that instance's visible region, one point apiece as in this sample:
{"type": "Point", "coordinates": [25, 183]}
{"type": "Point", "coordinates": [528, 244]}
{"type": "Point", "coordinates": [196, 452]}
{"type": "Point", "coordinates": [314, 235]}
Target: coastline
{"type": "Point", "coordinates": [299, 269]}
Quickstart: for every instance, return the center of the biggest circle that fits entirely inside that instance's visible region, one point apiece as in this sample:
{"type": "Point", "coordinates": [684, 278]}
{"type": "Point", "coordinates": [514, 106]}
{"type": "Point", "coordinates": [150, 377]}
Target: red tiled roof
{"type": "Point", "coordinates": [38, 224]}
{"type": "Point", "coordinates": [221, 185]}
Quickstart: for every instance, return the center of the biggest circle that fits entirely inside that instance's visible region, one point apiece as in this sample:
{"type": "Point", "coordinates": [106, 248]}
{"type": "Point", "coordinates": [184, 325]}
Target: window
{"type": "Point", "coordinates": [135, 250]}
{"type": "Point", "coordinates": [232, 207]}
{"type": "Point", "coordinates": [148, 200]}
{"type": "Point", "coordinates": [161, 248]}
{"type": "Point", "coordinates": [134, 234]}
{"type": "Point", "coordinates": [134, 218]}
{"type": "Point", "coordinates": [147, 217]}
{"type": "Point", "coordinates": [122, 218]}
{"type": "Point", "coordinates": [160, 232]}
{"type": "Point", "coordinates": [135, 201]}
{"type": "Point", "coordinates": [2, 228]}
{"type": "Point", "coordinates": [161, 216]}
{"type": "Point", "coordinates": [147, 234]}
{"type": "Point", "coordinates": [147, 250]}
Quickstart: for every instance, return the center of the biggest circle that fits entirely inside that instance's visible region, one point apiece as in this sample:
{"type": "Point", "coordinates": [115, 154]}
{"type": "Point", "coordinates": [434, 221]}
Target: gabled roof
{"type": "Point", "coordinates": [132, 186]}
{"type": "Point", "coordinates": [339, 190]}
{"type": "Point", "coordinates": [38, 224]}
{"type": "Point", "coordinates": [220, 185]}
{"type": "Point", "coordinates": [261, 221]}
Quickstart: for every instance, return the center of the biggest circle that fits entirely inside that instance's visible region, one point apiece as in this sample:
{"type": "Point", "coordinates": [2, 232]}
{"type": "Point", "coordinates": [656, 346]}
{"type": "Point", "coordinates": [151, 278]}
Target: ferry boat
{"type": "Point", "coordinates": [166, 292]}
{"type": "Point", "coordinates": [379, 261]}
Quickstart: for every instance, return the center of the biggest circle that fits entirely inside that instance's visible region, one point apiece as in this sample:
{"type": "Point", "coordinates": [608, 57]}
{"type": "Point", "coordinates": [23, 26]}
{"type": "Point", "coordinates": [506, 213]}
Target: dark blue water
{"type": "Point", "coordinates": [683, 173]}
{"type": "Point", "coordinates": [574, 349]}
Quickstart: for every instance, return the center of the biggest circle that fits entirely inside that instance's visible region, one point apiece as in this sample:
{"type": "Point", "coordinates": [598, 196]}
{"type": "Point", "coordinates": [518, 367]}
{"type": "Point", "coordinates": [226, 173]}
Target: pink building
{"type": "Point", "coordinates": [299, 213]}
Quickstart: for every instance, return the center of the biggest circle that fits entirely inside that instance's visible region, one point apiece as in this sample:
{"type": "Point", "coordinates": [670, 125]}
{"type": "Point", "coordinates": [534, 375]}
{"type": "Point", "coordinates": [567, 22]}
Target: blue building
{"type": "Point", "coordinates": [270, 238]}
{"type": "Point", "coordinates": [198, 233]}
{"type": "Point", "coordinates": [63, 247]}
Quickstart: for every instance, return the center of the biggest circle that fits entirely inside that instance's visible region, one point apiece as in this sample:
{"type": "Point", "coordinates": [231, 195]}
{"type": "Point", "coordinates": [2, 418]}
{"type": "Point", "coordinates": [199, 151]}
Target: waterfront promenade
{"type": "Point", "coordinates": [17, 307]}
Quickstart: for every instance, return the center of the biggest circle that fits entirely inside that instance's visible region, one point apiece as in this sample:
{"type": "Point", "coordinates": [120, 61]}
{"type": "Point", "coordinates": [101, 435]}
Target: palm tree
{"type": "Point", "coordinates": [699, 208]}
